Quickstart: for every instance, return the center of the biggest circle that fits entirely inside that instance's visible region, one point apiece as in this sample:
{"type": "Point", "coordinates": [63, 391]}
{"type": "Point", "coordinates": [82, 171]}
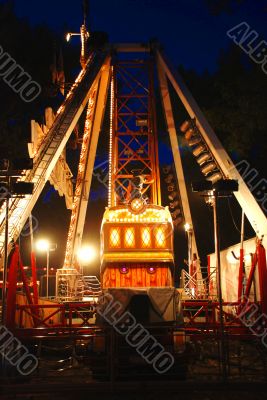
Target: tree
{"type": "Point", "coordinates": [217, 7]}
{"type": "Point", "coordinates": [234, 102]}
{"type": "Point", "coordinates": [33, 49]}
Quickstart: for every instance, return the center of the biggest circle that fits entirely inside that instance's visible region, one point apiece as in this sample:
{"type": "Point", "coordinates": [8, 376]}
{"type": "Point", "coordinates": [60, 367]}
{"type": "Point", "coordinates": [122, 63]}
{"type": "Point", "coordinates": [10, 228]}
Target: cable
{"type": "Point", "coordinates": [232, 216]}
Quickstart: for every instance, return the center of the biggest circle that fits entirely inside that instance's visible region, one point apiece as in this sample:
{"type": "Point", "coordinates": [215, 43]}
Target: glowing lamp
{"type": "Point", "coordinates": [129, 238]}
{"type": "Point", "coordinates": [146, 237]}
{"type": "Point", "coordinates": [115, 237]}
{"type": "Point", "coordinates": [187, 227]}
{"type": "Point", "coordinates": [87, 254]}
{"type": "Point", "coordinates": [151, 270]}
{"type": "Point", "coordinates": [124, 270]}
{"type": "Point", "coordinates": [160, 237]}
{"type": "Point", "coordinates": [42, 245]}
{"type": "Point", "coordinates": [137, 205]}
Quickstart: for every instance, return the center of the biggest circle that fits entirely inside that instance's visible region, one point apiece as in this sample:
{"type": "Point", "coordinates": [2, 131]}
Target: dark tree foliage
{"type": "Point", "coordinates": [33, 49]}
{"type": "Point", "coordinates": [216, 7]}
{"type": "Point", "coordinates": [235, 103]}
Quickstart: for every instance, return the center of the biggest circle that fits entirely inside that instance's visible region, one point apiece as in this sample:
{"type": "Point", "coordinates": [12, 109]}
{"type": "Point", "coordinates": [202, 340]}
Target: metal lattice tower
{"type": "Point", "coordinates": [133, 140]}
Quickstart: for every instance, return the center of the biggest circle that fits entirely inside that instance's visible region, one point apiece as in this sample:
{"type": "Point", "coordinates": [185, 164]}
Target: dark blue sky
{"type": "Point", "coordinates": [190, 34]}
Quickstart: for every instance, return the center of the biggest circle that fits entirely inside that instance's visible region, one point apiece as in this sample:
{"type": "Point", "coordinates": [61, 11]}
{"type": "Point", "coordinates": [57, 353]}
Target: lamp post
{"type": "Point", "coordinates": [43, 245]}
{"type": "Point", "coordinates": [189, 230]}
{"type": "Point", "coordinates": [222, 188]}
{"type": "Point", "coordinates": [84, 34]}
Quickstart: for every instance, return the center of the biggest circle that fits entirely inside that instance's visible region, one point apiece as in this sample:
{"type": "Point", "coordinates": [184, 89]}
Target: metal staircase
{"type": "Point", "coordinates": [75, 287]}
{"type": "Point", "coordinates": [91, 285]}
{"type": "Point", "coordinates": [44, 161]}
{"type": "Point", "coordinates": [88, 287]}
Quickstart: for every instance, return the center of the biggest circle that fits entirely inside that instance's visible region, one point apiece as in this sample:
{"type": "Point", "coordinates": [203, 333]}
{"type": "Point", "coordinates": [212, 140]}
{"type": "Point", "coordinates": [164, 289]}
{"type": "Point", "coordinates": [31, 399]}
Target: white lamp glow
{"type": "Point", "coordinates": [87, 254]}
{"type": "Point", "coordinates": [187, 227]}
{"type": "Point", "coordinates": [42, 245]}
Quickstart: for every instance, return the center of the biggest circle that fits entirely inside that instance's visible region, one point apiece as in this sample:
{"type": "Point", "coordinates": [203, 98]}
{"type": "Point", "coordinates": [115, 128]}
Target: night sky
{"type": "Point", "coordinates": [190, 33]}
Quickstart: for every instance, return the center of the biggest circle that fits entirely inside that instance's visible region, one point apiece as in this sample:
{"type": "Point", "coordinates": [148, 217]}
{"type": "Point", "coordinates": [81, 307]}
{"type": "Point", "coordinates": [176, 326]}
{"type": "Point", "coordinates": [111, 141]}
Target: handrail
{"type": "Point", "coordinates": [67, 313]}
{"type": "Point", "coordinates": [50, 149]}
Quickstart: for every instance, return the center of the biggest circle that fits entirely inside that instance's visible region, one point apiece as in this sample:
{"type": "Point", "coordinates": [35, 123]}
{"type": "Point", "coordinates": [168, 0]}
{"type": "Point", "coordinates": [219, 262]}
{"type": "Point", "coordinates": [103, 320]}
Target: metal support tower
{"type": "Point", "coordinates": [50, 150]}
{"type": "Point", "coordinates": [166, 100]}
{"type": "Point", "coordinates": [93, 123]}
{"type": "Point", "coordinates": [133, 141]}
{"type": "Point", "coordinates": [245, 198]}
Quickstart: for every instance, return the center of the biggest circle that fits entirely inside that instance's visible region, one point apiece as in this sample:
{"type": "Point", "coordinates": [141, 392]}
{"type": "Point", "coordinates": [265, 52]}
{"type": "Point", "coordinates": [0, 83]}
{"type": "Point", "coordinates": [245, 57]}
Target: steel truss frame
{"type": "Point", "coordinates": [134, 131]}
{"type": "Point", "coordinates": [93, 123]}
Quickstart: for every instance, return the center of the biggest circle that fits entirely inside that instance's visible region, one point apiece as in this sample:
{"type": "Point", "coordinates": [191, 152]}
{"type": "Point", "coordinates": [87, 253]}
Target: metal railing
{"type": "Point", "coordinates": [101, 354]}
{"type": "Point", "coordinates": [195, 287]}
{"type": "Point", "coordinates": [64, 315]}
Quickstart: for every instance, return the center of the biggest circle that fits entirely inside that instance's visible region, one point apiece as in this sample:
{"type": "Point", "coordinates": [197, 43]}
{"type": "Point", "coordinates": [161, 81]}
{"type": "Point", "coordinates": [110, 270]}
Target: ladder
{"type": "Point", "coordinates": [67, 117]}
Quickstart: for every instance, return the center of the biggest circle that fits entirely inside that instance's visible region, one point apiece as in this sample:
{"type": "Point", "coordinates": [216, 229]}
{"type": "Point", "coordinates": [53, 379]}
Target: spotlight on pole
{"type": "Point", "coordinates": [220, 188]}
{"type": "Point", "coordinates": [22, 188]}
{"type": "Point", "coordinates": [19, 164]}
{"type": "Point", "coordinates": [201, 186]}
{"type": "Point", "coordinates": [227, 185]}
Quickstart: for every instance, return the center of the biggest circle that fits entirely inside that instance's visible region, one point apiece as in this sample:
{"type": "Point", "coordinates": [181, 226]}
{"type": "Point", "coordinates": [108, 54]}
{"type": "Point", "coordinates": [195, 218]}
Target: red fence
{"type": "Point", "coordinates": [57, 315]}
{"type": "Point", "coordinates": [204, 317]}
